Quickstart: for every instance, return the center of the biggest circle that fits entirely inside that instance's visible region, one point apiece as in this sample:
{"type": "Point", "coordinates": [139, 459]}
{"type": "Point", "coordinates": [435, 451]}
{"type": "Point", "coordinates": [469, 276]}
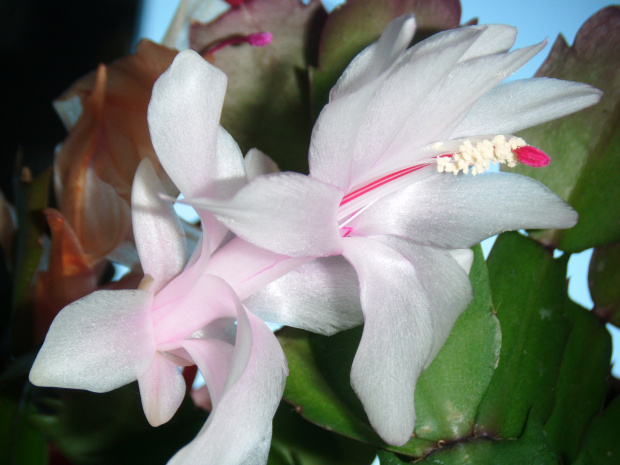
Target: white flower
{"type": "Point", "coordinates": [181, 314]}
{"type": "Point", "coordinates": [377, 195]}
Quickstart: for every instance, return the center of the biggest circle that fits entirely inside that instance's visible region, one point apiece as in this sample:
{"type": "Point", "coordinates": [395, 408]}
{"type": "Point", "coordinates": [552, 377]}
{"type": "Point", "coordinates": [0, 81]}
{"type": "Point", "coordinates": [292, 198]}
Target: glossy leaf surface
{"type": "Point", "coordinates": [531, 448]}
{"type": "Point", "coordinates": [582, 381]}
{"type": "Point", "coordinates": [448, 391]}
{"type": "Point", "coordinates": [529, 290]}
{"type": "Point", "coordinates": [601, 445]}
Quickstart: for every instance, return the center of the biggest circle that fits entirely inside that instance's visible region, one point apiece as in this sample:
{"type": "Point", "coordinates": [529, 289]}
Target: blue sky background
{"type": "Point", "coordinates": [536, 20]}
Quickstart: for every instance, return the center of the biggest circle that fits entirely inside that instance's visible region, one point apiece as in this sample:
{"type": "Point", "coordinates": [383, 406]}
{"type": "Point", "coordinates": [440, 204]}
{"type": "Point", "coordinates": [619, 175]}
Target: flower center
{"type": "Point", "coordinates": [481, 154]}
{"type": "Point", "coordinates": [477, 154]}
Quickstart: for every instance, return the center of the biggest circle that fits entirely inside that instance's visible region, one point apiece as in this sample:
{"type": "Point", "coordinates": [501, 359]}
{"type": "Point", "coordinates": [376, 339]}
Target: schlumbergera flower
{"type": "Point", "coordinates": [95, 166]}
{"type": "Point", "coordinates": [181, 314]}
{"type": "Point", "coordinates": [390, 189]}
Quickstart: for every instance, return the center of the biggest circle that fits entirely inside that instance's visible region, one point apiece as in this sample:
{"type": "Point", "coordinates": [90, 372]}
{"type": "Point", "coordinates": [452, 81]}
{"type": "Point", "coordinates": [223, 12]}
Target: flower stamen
{"type": "Point", "coordinates": [480, 155]}
{"type": "Point", "coordinates": [379, 182]}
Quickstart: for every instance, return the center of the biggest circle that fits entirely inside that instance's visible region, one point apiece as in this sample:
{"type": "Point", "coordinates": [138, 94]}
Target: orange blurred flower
{"type": "Point", "coordinates": [94, 168]}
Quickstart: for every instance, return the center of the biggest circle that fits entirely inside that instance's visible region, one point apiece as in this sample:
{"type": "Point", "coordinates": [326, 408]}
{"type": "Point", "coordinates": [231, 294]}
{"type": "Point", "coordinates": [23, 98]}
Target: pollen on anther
{"type": "Point", "coordinates": [479, 155]}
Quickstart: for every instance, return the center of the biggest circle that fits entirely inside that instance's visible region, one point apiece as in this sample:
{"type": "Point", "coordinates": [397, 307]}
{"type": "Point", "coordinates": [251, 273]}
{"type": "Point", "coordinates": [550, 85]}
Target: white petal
{"type": "Point", "coordinates": [228, 169]}
{"type": "Point", "coordinates": [446, 284]}
{"type": "Point", "coordinates": [453, 96]}
{"type": "Point", "coordinates": [257, 163]}
{"type": "Point", "coordinates": [450, 211]}
{"type": "Point", "coordinates": [464, 257]}
{"type": "Point", "coordinates": [162, 389]}
{"type": "Point", "coordinates": [228, 176]}
{"type": "Point", "coordinates": [517, 105]}
{"type": "Point", "coordinates": [333, 135]}
{"type": "Point", "coordinates": [404, 92]}
{"type": "Point", "coordinates": [377, 58]}
{"type": "Point", "coordinates": [321, 296]}
{"type": "Point", "coordinates": [157, 229]}
{"type": "Point", "coordinates": [397, 337]}
{"type": "Point", "coordinates": [239, 427]}
{"type": "Point", "coordinates": [183, 116]}
{"type": "Point", "coordinates": [495, 38]}
{"type": "Point", "coordinates": [99, 343]}
{"type": "Point", "coordinates": [287, 213]}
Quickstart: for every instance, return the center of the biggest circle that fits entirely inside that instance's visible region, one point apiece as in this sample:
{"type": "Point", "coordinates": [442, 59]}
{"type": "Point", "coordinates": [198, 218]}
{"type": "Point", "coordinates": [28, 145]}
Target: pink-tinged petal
{"type": "Point", "coordinates": [248, 268]}
{"type": "Point", "coordinates": [159, 235]}
{"type": "Point", "coordinates": [202, 399]}
{"type": "Point", "coordinates": [238, 429]}
{"type": "Point", "coordinates": [183, 116]}
{"type": "Point", "coordinates": [186, 281]}
{"type": "Point", "coordinates": [404, 92]}
{"type": "Point", "coordinates": [450, 211]}
{"type": "Point", "coordinates": [162, 389]}
{"type": "Point", "coordinates": [214, 358]}
{"type": "Point", "coordinates": [98, 343]}
{"type": "Point", "coordinates": [213, 228]}
{"type": "Point", "coordinates": [287, 213]}
{"type": "Point", "coordinates": [321, 296]}
{"type": "Point", "coordinates": [446, 284]}
{"type": "Point", "coordinates": [397, 337]}
{"type": "Point", "coordinates": [516, 105]}
{"type": "Point", "coordinates": [196, 253]}
{"type": "Point", "coordinates": [377, 58]}
{"type": "Point", "coordinates": [257, 163]}
{"type": "Point", "coordinates": [186, 308]}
